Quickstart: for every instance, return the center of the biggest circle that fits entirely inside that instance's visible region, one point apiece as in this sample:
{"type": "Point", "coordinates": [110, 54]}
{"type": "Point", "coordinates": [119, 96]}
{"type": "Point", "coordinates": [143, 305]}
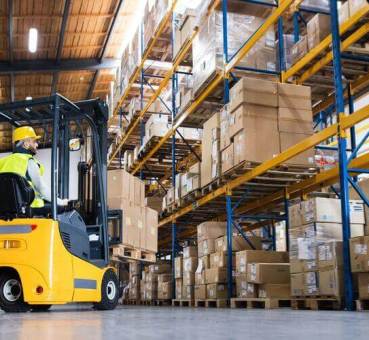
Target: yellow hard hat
{"type": "Point", "coordinates": [23, 133]}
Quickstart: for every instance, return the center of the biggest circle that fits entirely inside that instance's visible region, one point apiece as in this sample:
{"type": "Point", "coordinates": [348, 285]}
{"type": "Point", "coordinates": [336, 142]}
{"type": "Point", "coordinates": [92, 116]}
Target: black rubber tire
{"type": "Point", "coordinates": [17, 306]}
{"type": "Point", "coordinates": [107, 303]}
{"type": "Point", "coordinates": [40, 308]}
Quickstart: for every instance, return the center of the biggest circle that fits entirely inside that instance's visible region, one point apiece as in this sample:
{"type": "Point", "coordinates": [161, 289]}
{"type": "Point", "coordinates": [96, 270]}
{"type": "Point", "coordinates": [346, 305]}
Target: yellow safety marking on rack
{"type": "Point", "coordinates": [352, 39]}
{"type": "Point", "coordinates": [149, 48]}
{"type": "Point", "coordinates": [310, 142]}
{"type": "Point", "coordinates": [325, 44]}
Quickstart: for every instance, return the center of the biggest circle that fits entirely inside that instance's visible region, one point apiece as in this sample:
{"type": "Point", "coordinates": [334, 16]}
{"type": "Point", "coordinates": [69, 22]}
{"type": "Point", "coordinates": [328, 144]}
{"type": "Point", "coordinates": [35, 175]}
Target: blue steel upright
{"type": "Point", "coordinates": [343, 166]}
{"type": "Point", "coordinates": [142, 79]}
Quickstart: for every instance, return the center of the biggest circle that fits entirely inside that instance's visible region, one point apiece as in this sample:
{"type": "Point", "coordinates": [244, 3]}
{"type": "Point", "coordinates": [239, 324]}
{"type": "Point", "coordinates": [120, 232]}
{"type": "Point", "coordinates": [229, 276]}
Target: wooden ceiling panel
{"type": "Point", "coordinates": [34, 85]}
{"type": "Point", "coordinates": [102, 86]}
{"type": "Point", "coordinates": [4, 89]}
{"type": "Point", "coordinates": [74, 85]}
{"type": "Point", "coordinates": [4, 42]}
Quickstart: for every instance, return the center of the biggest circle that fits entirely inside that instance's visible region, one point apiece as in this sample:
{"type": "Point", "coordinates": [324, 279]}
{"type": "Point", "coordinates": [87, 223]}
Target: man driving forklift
{"type": "Point", "coordinates": [23, 163]}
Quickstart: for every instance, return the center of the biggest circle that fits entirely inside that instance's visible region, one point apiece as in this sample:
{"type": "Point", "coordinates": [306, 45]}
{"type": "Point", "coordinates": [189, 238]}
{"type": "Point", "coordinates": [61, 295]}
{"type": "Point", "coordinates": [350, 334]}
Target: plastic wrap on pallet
{"type": "Point", "coordinates": [207, 47]}
{"type": "Point", "coordinates": [316, 4]}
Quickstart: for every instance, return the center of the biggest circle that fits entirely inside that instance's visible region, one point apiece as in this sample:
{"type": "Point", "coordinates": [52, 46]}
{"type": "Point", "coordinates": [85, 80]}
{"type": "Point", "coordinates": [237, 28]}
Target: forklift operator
{"type": "Point", "coordinates": [23, 163]}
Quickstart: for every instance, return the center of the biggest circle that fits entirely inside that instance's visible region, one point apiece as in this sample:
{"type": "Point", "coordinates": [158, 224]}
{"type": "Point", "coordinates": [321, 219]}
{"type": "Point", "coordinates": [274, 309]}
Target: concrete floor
{"type": "Point", "coordinates": [140, 322]}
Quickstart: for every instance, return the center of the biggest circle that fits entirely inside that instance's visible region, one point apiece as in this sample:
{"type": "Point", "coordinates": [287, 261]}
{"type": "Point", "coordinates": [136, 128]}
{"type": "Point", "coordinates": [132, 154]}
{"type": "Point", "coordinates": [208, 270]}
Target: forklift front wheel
{"type": "Point", "coordinates": [11, 293]}
{"type": "Point", "coordinates": [109, 292]}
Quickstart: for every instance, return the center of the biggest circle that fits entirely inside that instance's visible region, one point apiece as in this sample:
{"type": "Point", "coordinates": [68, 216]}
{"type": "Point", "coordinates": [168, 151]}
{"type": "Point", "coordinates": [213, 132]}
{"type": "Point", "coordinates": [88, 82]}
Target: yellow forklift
{"type": "Point", "coordinates": [58, 255]}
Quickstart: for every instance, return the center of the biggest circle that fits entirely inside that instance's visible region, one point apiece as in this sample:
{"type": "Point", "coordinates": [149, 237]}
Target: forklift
{"type": "Point", "coordinates": [59, 255]}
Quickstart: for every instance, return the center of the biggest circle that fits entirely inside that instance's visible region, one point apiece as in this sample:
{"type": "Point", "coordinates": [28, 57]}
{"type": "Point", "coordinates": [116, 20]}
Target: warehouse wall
{"type": "Point", "coordinates": [44, 156]}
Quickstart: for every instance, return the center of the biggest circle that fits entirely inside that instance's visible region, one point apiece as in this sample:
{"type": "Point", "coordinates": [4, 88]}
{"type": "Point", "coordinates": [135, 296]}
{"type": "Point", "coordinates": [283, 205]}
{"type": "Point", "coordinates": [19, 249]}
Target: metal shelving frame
{"type": "Point", "coordinates": [242, 202]}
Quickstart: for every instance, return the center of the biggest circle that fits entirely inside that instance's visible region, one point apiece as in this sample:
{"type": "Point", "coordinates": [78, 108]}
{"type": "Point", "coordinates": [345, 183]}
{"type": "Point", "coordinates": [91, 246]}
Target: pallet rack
{"type": "Point", "coordinates": [258, 194]}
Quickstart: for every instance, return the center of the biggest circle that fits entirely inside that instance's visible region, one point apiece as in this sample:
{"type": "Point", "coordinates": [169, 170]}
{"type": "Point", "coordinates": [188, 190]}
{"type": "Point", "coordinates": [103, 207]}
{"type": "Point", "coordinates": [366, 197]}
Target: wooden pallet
{"type": "Point", "coordinates": [316, 303]}
{"type": "Point", "coordinates": [266, 303]}
{"type": "Point", "coordinates": [189, 198]}
{"type": "Point", "coordinates": [131, 302]}
{"type": "Point", "coordinates": [183, 303]}
{"type": "Point", "coordinates": [362, 305]}
{"type": "Point", "coordinates": [130, 253]}
{"type": "Point", "coordinates": [212, 303]}
{"type": "Point", "coordinates": [160, 302]}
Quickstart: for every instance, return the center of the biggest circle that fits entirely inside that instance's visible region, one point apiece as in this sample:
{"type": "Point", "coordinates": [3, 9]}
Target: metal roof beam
{"type": "Point", "coordinates": [29, 66]}
{"type": "Point", "coordinates": [62, 30]}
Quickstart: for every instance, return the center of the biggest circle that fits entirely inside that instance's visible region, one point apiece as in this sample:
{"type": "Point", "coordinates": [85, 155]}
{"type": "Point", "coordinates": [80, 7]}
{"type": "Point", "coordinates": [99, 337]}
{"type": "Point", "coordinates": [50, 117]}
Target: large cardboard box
{"type": "Point", "coordinates": [227, 156]}
{"type": "Point", "coordinates": [356, 5]}
{"type": "Point", "coordinates": [247, 146]}
{"type": "Point", "coordinates": [243, 258]}
{"type": "Point", "coordinates": [178, 267]}
{"type": "Point", "coordinates": [188, 292]}
{"type": "Point", "coordinates": [275, 291]}
{"type": "Point", "coordinates": [200, 277]}
{"type": "Point", "coordinates": [364, 185]}
{"type": "Point", "coordinates": [363, 281]}
{"type": "Point", "coordinates": [179, 285]}
{"type": "Point", "coordinates": [215, 275]}
{"type": "Point", "coordinates": [160, 268]}
{"type": "Point", "coordinates": [204, 261]}
{"type": "Point", "coordinates": [359, 254]}
{"type": "Point", "coordinates": [118, 183]}
{"type": "Point", "coordinates": [151, 229]}
{"type": "Point", "coordinates": [295, 120]}
{"type": "Point", "coordinates": [311, 283]}
{"type": "Point", "coordinates": [331, 282]}
{"type": "Point", "coordinates": [330, 255]}
{"type": "Point", "coordinates": [211, 230]}
{"type": "Point", "coordinates": [188, 278]}
{"type": "Point", "coordinates": [219, 260]}
{"type": "Point", "coordinates": [289, 139]}
{"type": "Point", "coordinates": [165, 291]}
{"type": "Point", "coordinates": [245, 289]}
{"type": "Point", "coordinates": [206, 247]}
{"type": "Point", "coordinates": [200, 292]}
{"type": "Point", "coordinates": [296, 266]}
{"type": "Point", "coordinates": [190, 251]}
{"type": "Point", "coordinates": [225, 137]}
{"type": "Point", "coordinates": [238, 243]}
{"type": "Point", "coordinates": [318, 28]}
{"type": "Point", "coordinates": [190, 264]}
{"type": "Point", "coordinates": [253, 117]}
{"type": "Point", "coordinates": [292, 96]}
{"type": "Point", "coordinates": [344, 12]}
{"type": "Point", "coordinates": [295, 216]}
{"type": "Point", "coordinates": [210, 148]}
{"type": "Point", "coordinates": [253, 91]}
{"type": "Point", "coordinates": [268, 273]}
{"type": "Point", "coordinates": [216, 291]}
{"type": "Point", "coordinates": [164, 278]}
{"type": "Point", "coordinates": [297, 284]}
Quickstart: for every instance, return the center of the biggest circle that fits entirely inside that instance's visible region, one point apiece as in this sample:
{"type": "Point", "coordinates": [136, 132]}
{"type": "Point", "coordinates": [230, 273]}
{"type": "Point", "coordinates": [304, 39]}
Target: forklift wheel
{"type": "Point", "coordinates": [11, 294]}
{"type": "Point", "coordinates": [109, 292]}
{"type": "Point", "coordinates": [40, 308]}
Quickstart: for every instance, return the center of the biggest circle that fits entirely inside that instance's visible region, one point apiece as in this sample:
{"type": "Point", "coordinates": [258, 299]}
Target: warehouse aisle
{"type": "Point", "coordinates": [136, 322]}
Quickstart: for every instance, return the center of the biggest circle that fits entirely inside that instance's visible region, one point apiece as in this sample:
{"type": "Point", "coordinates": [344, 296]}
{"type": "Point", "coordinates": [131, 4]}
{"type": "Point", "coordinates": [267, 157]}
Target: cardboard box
{"type": "Point", "coordinates": [292, 96]}
{"type": "Point", "coordinates": [253, 91]}
{"type": "Point", "coordinates": [238, 243]}
{"type": "Point", "coordinates": [178, 267]}
{"type": "Point", "coordinates": [225, 137]}
{"type": "Point", "coordinates": [204, 261]}
{"type": "Point", "coordinates": [268, 273]}
{"type": "Point", "coordinates": [215, 275]}
{"type": "Point", "coordinates": [211, 230]}
{"type": "Point", "coordinates": [331, 282]}
{"type": "Point", "coordinates": [179, 285]}
{"type": "Point", "coordinates": [295, 120]}
{"type": "Point", "coordinates": [310, 265]}
{"type": "Point", "coordinates": [188, 278]}
{"type": "Point", "coordinates": [295, 215]}
{"type": "Point", "coordinates": [318, 28]}
{"type": "Point", "coordinates": [164, 278]}
{"type": "Point", "coordinates": [275, 291]}
{"type": "Point", "coordinates": [200, 277]}
{"type": "Point", "coordinates": [344, 12]}
{"type": "Point", "coordinates": [311, 283]}
{"type": "Point", "coordinates": [296, 266]}
{"type": "Point", "coordinates": [134, 269]}
{"type": "Point", "coordinates": [188, 292]}
{"type": "Point", "coordinates": [289, 139]}
{"type": "Point", "coordinates": [216, 291]}
{"type": "Point", "coordinates": [151, 229]}
{"type": "Point", "coordinates": [245, 289]}
{"type": "Point", "coordinates": [363, 282]}
{"type": "Point", "coordinates": [117, 183]}
{"type": "Point", "coordinates": [200, 292]}
{"type": "Point", "coordinates": [190, 264]}
{"type": "Point", "coordinates": [253, 118]}
{"type": "Point", "coordinates": [359, 254]}
{"type": "Point", "coordinates": [190, 251]}
{"type": "Point", "coordinates": [160, 268]}
{"type": "Point", "coordinates": [364, 185]}
{"type": "Point", "coordinates": [330, 255]}
{"type": "Point", "coordinates": [356, 5]}
{"type": "Point", "coordinates": [243, 258]}
{"type": "Point", "coordinates": [247, 146]}
{"type": "Point", "coordinates": [206, 247]}
{"type": "Point", "coordinates": [165, 291]}
{"type": "Point", "coordinates": [219, 260]}
{"type": "Point", "coordinates": [227, 156]}
{"type": "Point", "coordinates": [297, 284]}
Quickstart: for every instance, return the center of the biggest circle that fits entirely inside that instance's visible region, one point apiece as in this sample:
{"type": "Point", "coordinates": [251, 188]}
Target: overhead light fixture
{"type": "Point", "coordinates": [32, 40]}
{"type": "Point", "coordinates": [28, 98]}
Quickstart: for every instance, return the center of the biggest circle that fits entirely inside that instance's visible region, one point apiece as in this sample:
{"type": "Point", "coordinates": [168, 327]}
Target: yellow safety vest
{"type": "Point", "coordinates": [17, 163]}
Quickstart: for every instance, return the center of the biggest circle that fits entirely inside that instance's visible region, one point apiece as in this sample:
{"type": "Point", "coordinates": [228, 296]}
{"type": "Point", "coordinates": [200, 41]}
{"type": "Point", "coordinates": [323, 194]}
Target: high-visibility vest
{"type": "Point", "coordinates": [17, 163]}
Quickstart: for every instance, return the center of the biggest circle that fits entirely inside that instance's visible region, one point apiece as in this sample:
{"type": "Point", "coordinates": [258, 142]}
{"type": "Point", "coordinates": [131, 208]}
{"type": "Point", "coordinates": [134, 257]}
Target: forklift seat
{"type": "Point", "coordinates": [16, 196]}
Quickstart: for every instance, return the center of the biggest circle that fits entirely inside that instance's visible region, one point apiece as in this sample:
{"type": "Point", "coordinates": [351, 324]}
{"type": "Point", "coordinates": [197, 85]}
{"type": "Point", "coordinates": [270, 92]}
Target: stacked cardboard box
{"type": "Point", "coordinates": [185, 24]}
{"type": "Point", "coordinates": [315, 245]}
{"type": "Point", "coordinates": [207, 47]}
{"type": "Point", "coordinates": [364, 185]}
{"type": "Point", "coordinates": [190, 263]}
{"type": "Point", "coordinates": [140, 223]}
{"type": "Point", "coordinates": [359, 255]}
{"type": "Point", "coordinates": [211, 273]}
{"type": "Point", "coordinates": [261, 273]}
{"type": "Point", "coordinates": [157, 282]}
{"type": "Point", "coordinates": [178, 276]}
{"type": "Point", "coordinates": [318, 28]}
{"type": "Point", "coordinates": [134, 281]}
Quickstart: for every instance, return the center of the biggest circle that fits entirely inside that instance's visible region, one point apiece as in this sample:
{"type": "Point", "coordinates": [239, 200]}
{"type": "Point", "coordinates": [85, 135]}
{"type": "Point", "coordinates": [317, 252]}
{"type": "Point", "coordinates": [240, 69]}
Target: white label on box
{"type": "Point", "coordinates": [361, 249]}
{"type": "Point", "coordinates": [311, 265]}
